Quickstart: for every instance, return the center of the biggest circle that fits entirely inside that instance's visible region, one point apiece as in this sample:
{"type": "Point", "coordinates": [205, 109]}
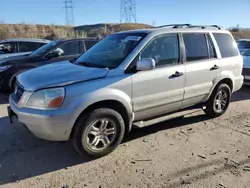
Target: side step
{"type": "Point", "coordinates": [142, 124]}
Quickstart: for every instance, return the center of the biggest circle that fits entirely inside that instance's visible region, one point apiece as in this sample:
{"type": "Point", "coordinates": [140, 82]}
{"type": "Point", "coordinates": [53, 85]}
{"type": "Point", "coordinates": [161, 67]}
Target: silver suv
{"type": "Point", "coordinates": [129, 79]}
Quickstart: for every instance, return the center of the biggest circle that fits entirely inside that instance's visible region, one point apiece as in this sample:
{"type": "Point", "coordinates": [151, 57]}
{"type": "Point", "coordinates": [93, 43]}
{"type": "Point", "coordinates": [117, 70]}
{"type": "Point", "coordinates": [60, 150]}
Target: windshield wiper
{"type": "Point", "coordinates": [86, 64]}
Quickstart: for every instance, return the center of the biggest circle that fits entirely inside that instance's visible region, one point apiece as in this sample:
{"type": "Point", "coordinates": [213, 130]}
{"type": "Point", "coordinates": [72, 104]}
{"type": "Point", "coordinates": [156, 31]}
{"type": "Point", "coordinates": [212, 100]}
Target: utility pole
{"type": "Point", "coordinates": [128, 11]}
{"type": "Point", "coordinates": [69, 11]}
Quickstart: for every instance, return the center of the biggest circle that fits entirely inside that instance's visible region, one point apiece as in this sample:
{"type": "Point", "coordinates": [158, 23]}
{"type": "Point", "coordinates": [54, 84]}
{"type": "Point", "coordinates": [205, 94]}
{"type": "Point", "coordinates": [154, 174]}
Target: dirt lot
{"type": "Point", "coordinates": [193, 151]}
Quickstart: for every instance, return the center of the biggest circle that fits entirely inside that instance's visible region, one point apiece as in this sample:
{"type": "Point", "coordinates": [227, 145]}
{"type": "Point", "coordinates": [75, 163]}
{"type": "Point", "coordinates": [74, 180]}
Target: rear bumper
{"type": "Point", "coordinates": [246, 74]}
{"type": "Point", "coordinates": [238, 83]}
{"type": "Point", "coordinates": [52, 125]}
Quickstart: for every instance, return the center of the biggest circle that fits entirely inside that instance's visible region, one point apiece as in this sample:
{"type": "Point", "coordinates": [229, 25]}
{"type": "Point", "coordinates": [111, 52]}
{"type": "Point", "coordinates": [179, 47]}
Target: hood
{"type": "Point", "coordinates": [7, 57]}
{"type": "Point", "coordinates": [19, 59]}
{"type": "Point", "coordinates": [58, 74]}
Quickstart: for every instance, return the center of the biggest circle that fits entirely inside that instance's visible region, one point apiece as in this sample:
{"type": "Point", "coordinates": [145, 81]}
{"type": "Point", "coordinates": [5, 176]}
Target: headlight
{"type": "Point", "coordinates": [3, 68]}
{"type": "Point", "coordinates": [48, 98]}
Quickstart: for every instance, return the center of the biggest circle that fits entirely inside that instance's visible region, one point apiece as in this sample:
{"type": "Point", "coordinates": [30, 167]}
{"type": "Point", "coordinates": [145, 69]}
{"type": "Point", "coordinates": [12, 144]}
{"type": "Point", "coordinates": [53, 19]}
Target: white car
{"type": "Point", "coordinates": [246, 67]}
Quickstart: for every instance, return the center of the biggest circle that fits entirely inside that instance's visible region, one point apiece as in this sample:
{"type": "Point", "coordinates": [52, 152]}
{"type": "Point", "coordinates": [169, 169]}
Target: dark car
{"type": "Point", "coordinates": [59, 50]}
{"type": "Point", "coordinates": [19, 46]}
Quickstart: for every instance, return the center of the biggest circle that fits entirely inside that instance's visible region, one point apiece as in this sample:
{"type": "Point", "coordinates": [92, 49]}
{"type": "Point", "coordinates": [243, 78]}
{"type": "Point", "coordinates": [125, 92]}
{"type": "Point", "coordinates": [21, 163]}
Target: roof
{"type": "Point", "coordinates": [179, 28]}
{"type": "Point", "coordinates": [25, 40]}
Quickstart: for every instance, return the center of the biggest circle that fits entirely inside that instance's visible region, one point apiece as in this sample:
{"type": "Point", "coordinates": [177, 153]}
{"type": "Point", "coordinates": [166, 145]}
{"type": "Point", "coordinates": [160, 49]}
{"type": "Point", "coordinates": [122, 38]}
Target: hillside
{"type": "Point", "coordinates": [100, 30]}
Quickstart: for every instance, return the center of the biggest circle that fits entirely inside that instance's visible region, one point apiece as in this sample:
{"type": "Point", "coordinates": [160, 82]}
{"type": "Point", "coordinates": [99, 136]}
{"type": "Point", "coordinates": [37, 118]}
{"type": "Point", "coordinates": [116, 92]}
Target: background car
{"type": "Point", "coordinates": [54, 51]}
{"type": "Point", "coordinates": [246, 67]}
{"type": "Point", "coordinates": [16, 47]}
{"type": "Point", "coordinates": [243, 45]}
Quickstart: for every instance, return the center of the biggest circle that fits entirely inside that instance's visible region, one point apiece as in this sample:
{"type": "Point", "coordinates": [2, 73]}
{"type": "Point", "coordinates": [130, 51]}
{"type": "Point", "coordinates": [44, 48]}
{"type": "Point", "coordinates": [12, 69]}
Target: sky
{"type": "Point", "coordinates": [225, 13]}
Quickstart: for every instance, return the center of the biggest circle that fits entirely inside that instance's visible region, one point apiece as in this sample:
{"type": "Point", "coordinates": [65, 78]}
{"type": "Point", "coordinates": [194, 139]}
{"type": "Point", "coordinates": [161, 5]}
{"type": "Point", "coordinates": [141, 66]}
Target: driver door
{"type": "Point", "coordinates": [161, 90]}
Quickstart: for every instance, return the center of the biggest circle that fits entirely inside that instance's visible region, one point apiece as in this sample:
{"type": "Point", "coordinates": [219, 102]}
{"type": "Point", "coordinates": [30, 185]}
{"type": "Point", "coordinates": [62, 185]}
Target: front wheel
{"type": "Point", "coordinates": [218, 102]}
{"type": "Point", "coordinates": [98, 132]}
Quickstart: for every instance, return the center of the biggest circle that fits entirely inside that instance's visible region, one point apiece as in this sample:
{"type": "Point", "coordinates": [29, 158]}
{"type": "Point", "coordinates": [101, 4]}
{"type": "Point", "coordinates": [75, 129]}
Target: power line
{"type": "Point", "coordinates": [69, 11]}
{"type": "Point", "coordinates": [128, 11]}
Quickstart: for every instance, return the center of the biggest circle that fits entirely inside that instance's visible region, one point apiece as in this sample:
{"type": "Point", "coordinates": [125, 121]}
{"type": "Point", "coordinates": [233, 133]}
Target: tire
{"type": "Point", "coordinates": [90, 133]}
{"type": "Point", "coordinates": [212, 106]}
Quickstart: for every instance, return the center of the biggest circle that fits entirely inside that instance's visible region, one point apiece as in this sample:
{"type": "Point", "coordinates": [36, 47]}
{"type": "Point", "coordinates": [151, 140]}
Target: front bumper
{"type": "Point", "coordinates": [52, 125]}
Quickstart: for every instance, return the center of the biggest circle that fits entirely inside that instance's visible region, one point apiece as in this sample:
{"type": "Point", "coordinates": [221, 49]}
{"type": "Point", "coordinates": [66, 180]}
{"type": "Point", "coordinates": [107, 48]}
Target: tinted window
{"type": "Point", "coordinates": [27, 46]}
{"type": "Point", "coordinates": [89, 44]}
{"type": "Point", "coordinates": [40, 45]}
{"type": "Point", "coordinates": [164, 50]}
{"type": "Point", "coordinates": [227, 45]}
{"type": "Point", "coordinates": [69, 48]}
{"type": "Point", "coordinates": [211, 48]}
{"type": "Point", "coordinates": [244, 44]}
{"type": "Point", "coordinates": [8, 47]}
{"type": "Point", "coordinates": [196, 46]}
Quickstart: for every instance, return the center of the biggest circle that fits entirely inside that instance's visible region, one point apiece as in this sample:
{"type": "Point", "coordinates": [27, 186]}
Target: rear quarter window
{"type": "Point", "coordinates": [227, 45]}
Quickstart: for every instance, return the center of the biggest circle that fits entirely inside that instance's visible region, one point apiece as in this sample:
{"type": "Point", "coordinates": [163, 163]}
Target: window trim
{"type": "Point", "coordinates": [130, 70]}
{"type": "Point", "coordinates": [208, 38]}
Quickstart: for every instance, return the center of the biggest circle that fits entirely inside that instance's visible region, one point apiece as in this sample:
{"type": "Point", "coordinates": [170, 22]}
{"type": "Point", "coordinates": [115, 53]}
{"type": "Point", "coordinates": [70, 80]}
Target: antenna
{"type": "Point", "coordinates": [128, 11]}
{"type": "Point", "coordinates": [69, 10]}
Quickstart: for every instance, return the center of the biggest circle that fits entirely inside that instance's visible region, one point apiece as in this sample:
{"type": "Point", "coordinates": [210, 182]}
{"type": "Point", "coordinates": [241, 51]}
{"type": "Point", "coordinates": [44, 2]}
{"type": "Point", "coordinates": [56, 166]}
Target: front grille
{"type": "Point", "coordinates": [18, 92]}
{"type": "Point", "coordinates": [246, 71]}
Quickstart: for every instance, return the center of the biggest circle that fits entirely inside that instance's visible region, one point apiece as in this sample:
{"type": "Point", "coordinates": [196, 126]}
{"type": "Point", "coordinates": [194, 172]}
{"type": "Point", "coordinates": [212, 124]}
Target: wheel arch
{"type": "Point", "coordinates": [226, 79]}
{"type": "Point", "coordinates": [112, 104]}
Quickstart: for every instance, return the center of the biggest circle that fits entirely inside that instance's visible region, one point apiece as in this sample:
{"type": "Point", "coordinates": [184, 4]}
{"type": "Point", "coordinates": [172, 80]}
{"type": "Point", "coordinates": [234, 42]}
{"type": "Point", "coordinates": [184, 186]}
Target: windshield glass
{"type": "Point", "coordinates": [111, 51]}
{"type": "Point", "coordinates": [43, 49]}
{"type": "Point", "coordinates": [243, 44]}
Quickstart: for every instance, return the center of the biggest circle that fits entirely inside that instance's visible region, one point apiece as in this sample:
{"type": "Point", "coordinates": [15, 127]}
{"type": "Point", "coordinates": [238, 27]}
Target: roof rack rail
{"type": "Point", "coordinates": [189, 26]}
{"type": "Point", "coordinates": [174, 25]}
{"type": "Point", "coordinates": [205, 26]}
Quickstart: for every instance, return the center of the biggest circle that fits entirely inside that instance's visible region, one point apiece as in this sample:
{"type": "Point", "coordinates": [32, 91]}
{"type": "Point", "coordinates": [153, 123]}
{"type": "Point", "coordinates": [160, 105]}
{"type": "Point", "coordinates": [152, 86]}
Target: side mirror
{"type": "Point", "coordinates": [53, 55]}
{"type": "Point", "coordinates": [145, 64]}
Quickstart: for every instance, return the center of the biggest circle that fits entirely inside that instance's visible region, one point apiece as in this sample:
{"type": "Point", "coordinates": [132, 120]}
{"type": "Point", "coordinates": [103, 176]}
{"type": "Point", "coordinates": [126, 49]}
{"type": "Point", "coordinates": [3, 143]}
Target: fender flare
{"type": "Point", "coordinates": [224, 75]}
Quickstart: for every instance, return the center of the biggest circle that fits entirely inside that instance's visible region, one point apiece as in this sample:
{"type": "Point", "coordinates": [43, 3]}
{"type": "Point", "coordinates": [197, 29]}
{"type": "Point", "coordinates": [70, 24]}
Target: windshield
{"type": "Point", "coordinates": [243, 44]}
{"type": "Point", "coordinates": [43, 49]}
{"type": "Point", "coordinates": [111, 51]}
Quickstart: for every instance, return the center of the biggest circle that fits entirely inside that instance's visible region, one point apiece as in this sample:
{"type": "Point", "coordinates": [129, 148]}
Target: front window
{"type": "Point", "coordinates": [43, 49]}
{"type": "Point", "coordinates": [111, 51]}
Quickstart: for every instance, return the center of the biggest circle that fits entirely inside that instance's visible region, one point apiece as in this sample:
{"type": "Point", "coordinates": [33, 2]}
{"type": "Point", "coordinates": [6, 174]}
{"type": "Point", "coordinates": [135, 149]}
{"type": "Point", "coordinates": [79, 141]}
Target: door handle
{"type": "Point", "coordinates": [215, 67]}
{"type": "Point", "coordinates": [177, 74]}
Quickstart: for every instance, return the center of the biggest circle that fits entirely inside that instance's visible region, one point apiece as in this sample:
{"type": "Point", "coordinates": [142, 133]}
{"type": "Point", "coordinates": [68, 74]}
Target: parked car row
{"type": "Point", "coordinates": [52, 52]}
{"type": "Point", "coordinates": [127, 79]}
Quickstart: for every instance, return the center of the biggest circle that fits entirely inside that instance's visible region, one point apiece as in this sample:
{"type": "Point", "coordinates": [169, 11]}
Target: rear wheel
{"type": "Point", "coordinates": [98, 133]}
{"type": "Point", "coordinates": [218, 102]}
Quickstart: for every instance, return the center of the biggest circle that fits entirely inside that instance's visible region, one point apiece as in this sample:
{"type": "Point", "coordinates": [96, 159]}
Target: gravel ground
{"type": "Point", "coordinates": [193, 151]}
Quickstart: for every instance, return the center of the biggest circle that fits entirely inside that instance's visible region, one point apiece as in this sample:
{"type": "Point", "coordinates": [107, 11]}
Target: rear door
{"type": "Point", "coordinates": [202, 67]}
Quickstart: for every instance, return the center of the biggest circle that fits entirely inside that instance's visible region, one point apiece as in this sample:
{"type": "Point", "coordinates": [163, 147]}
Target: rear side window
{"type": "Point", "coordinates": [27, 46]}
{"type": "Point", "coordinates": [227, 45]}
{"type": "Point", "coordinates": [196, 46]}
